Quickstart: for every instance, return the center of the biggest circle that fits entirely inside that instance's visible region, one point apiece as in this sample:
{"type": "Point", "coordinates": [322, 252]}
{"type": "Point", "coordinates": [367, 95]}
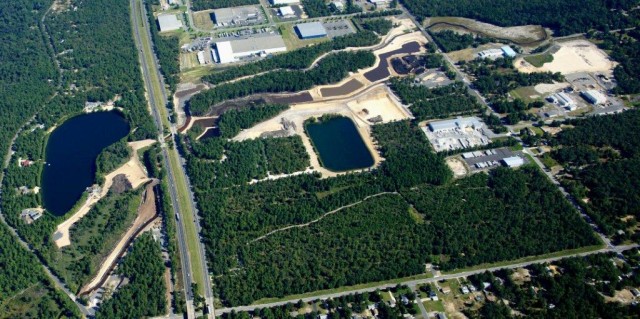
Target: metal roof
{"type": "Point", "coordinates": [513, 161]}
{"type": "Point", "coordinates": [169, 22]}
{"type": "Point", "coordinates": [258, 44]}
{"type": "Point", "coordinates": [311, 30]}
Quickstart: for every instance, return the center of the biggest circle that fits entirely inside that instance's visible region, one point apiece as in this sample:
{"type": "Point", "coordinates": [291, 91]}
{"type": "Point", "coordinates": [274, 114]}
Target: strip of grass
{"type": "Point", "coordinates": [528, 259]}
{"type": "Point", "coordinates": [191, 233]}
{"type": "Point", "coordinates": [539, 60]}
{"type": "Point", "coordinates": [434, 306]}
{"type": "Point", "coordinates": [294, 298]}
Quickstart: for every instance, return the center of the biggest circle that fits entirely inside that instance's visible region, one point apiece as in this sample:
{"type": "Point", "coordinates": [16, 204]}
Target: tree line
{"type": "Point", "coordinates": [563, 16]}
{"type": "Point", "coordinates": [330, 69]}
{"type": "Point", "coordinates": [198, 5]}
{"type": "Point", "coordinates": [449, 40]}
{"type": "Point", "coordinates": [294, 60]}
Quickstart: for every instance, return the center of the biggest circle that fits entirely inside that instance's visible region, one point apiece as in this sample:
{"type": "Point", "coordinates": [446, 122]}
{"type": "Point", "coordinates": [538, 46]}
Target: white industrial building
{"type": "Point", "coordinates": [563, 100]}
{"type": "Point", "coordinates": [169, 22]}
{"type": "Point", "coordinates": [459, 123]}
{"type": "Point", "coordinates": [513, 161]}
{"type": "Point", "coordinates": [594, 97]}
{"type": "Point", "coordinates": [505, 51]}
{"type": "Point", "coordinates": [232, 51]}
{"type": "Point", "coordinates": [381, 4]}
{"type": "Point", "coordinates": [286, 11]}
{"type": "Point", "coordinates": [281, 2]}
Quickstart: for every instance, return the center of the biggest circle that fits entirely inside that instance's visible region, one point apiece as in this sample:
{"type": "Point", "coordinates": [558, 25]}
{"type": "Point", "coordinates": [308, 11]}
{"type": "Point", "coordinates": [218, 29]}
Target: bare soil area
{"type": "Point", "coordinates": [529, 35]}
{"type": "Point", "coordinates": [572, 57]}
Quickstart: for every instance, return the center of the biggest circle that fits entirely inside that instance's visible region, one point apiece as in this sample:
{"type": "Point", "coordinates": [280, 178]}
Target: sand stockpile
{"type": "Point", "coordinates": [572, 57]}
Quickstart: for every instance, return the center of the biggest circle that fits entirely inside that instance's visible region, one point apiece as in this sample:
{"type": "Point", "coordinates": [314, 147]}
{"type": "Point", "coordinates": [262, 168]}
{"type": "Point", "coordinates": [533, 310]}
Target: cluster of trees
{"type": "Point", "coordinates": [601, 156]}
{"type": "Point", "coordinates": [235, 120]}
{"type": "Point", "coordinates": [97, 60]}
{"type": "Point", "coordinates": [515, 109]}
{"type": "Point", "coordinates": [94, 236]}
{"type": "Point", "coordinates": [563, 16]}
{"type": "Point", "coordinates": [330, 69]}
{"type": "Point", "coordinates": [318, 8]}
{"type": "Point", "coordinates": [294, 60]}
{"type": "Point", "coordinates": [112, 157]}
{"type": "Point", "coordinates": [498, 77]}
{"type": "Point", "coordinates": [166, 48]}
{"type": "Point", "coordinates": [144, 296]}
{"type": "Point", "coordinates": [440, 102]}
{"type": "Point", "coordinates": [338, 308]}
{"type": "Point", "coordinates": [459, 225]}
{"type": "Point", "coordinates": [449, 40]}
{"type": "Point", "coordinates": [576, 293]}
{"type": "Point", "coordinates": [380, 26]}
{"type": "Point", "coordinates": [198, 5]}
{"type": "Point", "coordinates": [625, 49]}
{"type": "Point", "coordinates": [247, 160]}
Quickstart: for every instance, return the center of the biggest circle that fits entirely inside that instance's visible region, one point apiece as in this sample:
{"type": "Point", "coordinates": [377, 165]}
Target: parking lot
{"type": "Point", "coordinates": [487, 159]}
{"type": "Point", "coordinates": [338, 28]}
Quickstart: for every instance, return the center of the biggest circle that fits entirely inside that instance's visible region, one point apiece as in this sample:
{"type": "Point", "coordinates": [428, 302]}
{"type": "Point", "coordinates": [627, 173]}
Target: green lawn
{"type": "Point", "coordinates": [539, 60]}
{"type": "Point", "coordinates": [434, 306]}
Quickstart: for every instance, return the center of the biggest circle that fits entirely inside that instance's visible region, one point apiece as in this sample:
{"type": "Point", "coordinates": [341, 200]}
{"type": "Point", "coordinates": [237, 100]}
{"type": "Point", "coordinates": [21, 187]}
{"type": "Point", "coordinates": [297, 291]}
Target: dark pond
{"type": "Point", "coordinates": [339, 145]}
{"type": "Point", "coordinates": [382, 71]}
{"type": "Point", "coordinates": [71, 154]}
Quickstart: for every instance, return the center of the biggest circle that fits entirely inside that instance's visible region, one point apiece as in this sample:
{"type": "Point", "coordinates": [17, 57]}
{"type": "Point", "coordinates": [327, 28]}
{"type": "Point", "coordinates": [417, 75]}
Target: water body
{"type": "Point", "coordinates": [71, 153]}
{"type": "Point", "coordinates": [339, 145]}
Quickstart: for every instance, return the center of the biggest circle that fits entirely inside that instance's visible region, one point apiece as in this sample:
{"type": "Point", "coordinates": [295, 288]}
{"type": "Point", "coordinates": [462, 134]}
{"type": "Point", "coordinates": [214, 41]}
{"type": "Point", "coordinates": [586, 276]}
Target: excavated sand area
{"type": "Point", "coordinates": [135, 173]}
{"type": "Point", "coordinates": [572, 57]}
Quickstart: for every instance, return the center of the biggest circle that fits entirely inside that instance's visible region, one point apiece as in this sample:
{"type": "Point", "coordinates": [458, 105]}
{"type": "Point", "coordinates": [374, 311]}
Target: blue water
{"type": "Point", "coordinates": [71, 154]}
{"type": "Point", "coordinates": [339, 145]}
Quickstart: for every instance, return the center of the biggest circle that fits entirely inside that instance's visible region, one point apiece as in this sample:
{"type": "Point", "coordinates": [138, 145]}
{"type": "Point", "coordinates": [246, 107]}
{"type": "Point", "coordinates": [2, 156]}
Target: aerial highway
{"type": "Point", "coordinates": [154, 84]}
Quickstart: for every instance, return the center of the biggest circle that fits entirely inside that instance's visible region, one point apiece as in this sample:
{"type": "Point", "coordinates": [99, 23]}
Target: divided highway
{"type": "Point", "coordinates": [178, 181]}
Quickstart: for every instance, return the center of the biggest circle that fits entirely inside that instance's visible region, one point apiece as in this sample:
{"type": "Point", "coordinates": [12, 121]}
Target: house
{"type": "Point", "coordinates": [405, 300]}
{"type": "Point", "coordinates": [445, 290]}
{"type": "Point", "coordinates": [635, 292]}
{"type": "Point", "coordinates": [464, 290]}
{"type": "Point", "coordinates": [485, 285]}
{"type": "Point", "coordinates": [441, 315]}
{"type": "Point", "coordinates": [281, 2]}
{"type": "Point", "coordinates": [323, 317]}
{"type": "Point", "coordinates": [433, 296]}
{"type": "Point", "coordinates": [471, 288]}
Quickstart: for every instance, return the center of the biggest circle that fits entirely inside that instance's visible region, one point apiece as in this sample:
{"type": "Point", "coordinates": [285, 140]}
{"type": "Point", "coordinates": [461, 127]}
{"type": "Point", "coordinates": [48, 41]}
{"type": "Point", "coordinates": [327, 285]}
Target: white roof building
{"type": "Point", "coordinates": [286, 11]}
{"type": "Point", "coordinates": [279, 2]}
{"type": "Point", "coordinates": [513, 161]}
{"type": "Point", "coordinates": [594, 97]}
{"type": "Point", "coordinates": [169, 22]}
{"type": "Point", "coordinates": [459, 123]}
{"type": "Point", "coordinates": [491, 54]}
{"type": "Point", "coordinates": [232, 51]}
{"type": "Point", "coordinates": [564, 100]}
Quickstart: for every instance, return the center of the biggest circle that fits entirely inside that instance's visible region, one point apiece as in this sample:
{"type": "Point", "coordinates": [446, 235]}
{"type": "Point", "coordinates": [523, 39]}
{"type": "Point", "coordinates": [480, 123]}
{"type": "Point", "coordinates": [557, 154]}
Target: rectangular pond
{"type": "Point", "coordinates": [339, 144]}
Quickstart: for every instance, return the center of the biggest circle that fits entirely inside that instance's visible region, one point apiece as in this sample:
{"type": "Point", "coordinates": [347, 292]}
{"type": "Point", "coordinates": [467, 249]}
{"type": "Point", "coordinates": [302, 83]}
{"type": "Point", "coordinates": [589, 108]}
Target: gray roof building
{"type": "Point", "coordinates": [169, 22]}
{"type": "Point", "coordinates": [311, 30]}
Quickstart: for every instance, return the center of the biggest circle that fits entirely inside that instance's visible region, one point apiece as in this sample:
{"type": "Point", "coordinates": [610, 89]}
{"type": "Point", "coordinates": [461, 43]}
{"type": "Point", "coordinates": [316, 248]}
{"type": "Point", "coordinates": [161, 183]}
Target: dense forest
{"type": "Point", "coordinates": [564, 17]}
{"type": "Point", "coordinates": [601, 156]}
{"type": "Point", "coordinates": [294, 60]}
{"type": "Point", "coordinates": [449, 40]}
{"type": "Point", "coordinates": [198, 5]}
{"type": "Point", "coordinates": [386, 236]}
{"type": "Point", "coordinates": [380, 26]}
{"type": "Point", "coordinates": [625, 49]}
{"type": "Point", "coordinates": [167, 48]}
{"type": "Point", "coordinates": [578, 291]}
{"type": "Point", "coordinates": [144, 296]}
{"type": "Point", "coordinates": [331, 69]}
{"type": "Point", "coordinates": [440, 102]}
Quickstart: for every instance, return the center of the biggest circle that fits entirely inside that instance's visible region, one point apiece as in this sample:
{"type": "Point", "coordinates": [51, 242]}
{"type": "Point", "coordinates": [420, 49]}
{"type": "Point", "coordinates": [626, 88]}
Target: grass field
{"type": "Point", "coordinates": [202, 20]}
{"type": "Point", "coordinates": [539, 60]}
{"type": "Point", "coordinates": [526, 93]}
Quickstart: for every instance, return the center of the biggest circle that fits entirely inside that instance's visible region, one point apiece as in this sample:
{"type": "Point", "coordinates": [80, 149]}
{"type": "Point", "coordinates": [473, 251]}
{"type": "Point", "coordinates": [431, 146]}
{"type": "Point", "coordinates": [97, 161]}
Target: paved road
{"type": "Point", "coordinates": [142, 33]}
{"type": "Point", "coordinates": [570, 198]}
{"type": "Point", "coordinates": [616, 249]}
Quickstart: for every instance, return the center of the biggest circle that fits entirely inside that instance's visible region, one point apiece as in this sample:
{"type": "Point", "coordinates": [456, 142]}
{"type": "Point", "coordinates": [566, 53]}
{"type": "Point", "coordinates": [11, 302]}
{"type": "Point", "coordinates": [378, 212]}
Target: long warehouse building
{"type": "Point", "coordinates": [233, 51]}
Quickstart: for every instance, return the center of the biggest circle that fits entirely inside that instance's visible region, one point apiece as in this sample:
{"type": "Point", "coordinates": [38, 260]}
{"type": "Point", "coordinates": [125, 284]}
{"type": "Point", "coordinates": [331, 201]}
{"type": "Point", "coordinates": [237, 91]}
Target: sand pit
{"type": "Point", "coordinates": [546, 88]}
{"type": "Point", "coordinates": [374, 102]}
{"type": "Point", "coordinates": [457, 167]}
{"type": "Point", "coordinates": [135, 173]}
{"type": "Point", "coordinates": [572, 57]}
{"type": "Point", "coordinates": [146, 213]}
